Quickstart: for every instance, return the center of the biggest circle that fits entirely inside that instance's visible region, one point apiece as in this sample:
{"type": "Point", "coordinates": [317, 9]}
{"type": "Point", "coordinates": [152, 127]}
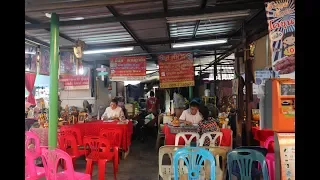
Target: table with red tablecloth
{"type": "Point", "coordinates": [93, 129]}
{"type": "Point", "coordinates": [170, 137]}
{"type": "Point", "coordinates": [262, 135]}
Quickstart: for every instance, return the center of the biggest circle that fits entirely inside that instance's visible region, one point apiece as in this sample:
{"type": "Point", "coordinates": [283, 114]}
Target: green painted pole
{"type": "Point", "coordinates": [54, 68]}
{"type": "Point", "coordinates": [190, 92]}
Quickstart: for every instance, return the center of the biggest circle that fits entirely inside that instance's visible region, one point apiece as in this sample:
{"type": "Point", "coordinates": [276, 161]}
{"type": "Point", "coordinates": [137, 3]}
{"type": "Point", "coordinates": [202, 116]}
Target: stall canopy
{"type": "Point", "coordinates": [149, 28]}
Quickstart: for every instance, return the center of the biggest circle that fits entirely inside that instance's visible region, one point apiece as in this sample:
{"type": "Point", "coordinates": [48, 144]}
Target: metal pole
{"type": "Point", "coordinates": [190, 92]}
{"type": "Point", "coordinates": [54, 68]}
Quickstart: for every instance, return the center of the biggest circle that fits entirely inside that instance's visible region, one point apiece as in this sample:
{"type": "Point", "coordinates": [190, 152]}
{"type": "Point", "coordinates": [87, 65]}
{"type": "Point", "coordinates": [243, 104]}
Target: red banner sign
{"type": "Point", "coordinates": [176, 70]}
{"type": "Point", "coordinates": [75, 82]}
{"type": "Point", "coordinates": [128, 68]}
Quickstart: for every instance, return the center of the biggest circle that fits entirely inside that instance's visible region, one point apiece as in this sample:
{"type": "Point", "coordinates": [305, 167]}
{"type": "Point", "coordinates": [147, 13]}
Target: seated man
{"type": "Point", "coordinates": [113, 111]}
{"type": "Point", "coordinates": [191, 115]}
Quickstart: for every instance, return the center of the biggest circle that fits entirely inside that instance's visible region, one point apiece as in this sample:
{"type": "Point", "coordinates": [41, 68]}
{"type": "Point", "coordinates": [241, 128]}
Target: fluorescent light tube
{"type": "Point", "coordinates": [48, 15]}
{"type": "Point", "coordinates": [131, 82]}
{"type": "Point", "coordinates": [108, 50]}
{"type": "Point", "coordinates": [199, 43]}
{"type": "Point", "coordinates": [33, 53]}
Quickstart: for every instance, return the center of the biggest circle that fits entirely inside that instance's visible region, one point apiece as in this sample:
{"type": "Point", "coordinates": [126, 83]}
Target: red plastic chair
{"type": "Point", "coordinates": [74, 131]}
{"type": "Point", "coordinates": [100, 151]}
{"type": "Point", "coordinates": [51, 159]}
{"type": "Point", "coordinates": [32, 152]}
{"type": "Point", "coordinates": [68, 143]}
{"type": "Point", "coordinates": [270, 158]}
{"type": "Point", "coordinates": [113, 135]}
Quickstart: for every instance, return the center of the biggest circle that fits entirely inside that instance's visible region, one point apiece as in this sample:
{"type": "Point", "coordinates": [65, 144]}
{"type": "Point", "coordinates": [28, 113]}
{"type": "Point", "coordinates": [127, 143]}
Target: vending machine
{"type": "Point", "coordinates": [279, 116]}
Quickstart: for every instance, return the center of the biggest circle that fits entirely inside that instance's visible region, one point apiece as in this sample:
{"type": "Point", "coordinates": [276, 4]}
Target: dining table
{"type": "Point", "coordinates": [171, 131]}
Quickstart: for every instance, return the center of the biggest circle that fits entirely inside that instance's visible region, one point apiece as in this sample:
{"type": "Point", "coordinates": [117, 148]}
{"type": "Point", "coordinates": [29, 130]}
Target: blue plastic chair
{"type": "Point", "coordinates": [244, 159]}
{"type": "Point", "coordinates": [255, 171]}
{"type": "Point", "coordinates": [194, 158]}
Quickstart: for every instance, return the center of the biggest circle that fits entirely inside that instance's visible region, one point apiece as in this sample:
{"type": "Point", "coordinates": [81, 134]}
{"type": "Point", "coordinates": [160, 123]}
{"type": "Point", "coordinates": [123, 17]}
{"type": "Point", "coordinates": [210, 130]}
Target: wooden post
{"type": "Point", "coordinates": [239, 102]}
{"type": "Point", "coordinates": [248, 85]}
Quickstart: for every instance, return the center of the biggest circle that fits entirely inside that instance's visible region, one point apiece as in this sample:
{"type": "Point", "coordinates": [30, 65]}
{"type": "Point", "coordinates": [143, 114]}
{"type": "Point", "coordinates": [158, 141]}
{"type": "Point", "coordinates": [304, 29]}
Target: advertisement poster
{"type": "Point", "coordinates": [67, 63]}
{"type": "Point", "coordinates": [281, 26]}
{"type": "Point", "coordinates": [75, 82]}
{"type": "Point", "coordinates": [44, 64]}
{"type": "Point", "coordinates": [287, 155]}
{"type": "Point", "coordinates": [128, 68]}
{"type": "Point", "coordinates": [30, 59]}
{"type": "Point", "coordinates": [176, 70]}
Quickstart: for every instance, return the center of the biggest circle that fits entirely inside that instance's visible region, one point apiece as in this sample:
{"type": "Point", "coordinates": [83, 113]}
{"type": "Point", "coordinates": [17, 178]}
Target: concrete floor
{"type": "Point", "coordinates": [141, 163]}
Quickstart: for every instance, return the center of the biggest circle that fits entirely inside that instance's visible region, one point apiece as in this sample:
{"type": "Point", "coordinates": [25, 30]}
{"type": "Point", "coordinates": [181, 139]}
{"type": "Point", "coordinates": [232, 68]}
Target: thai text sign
{"type": "Point", "coordinates": [127, 68]}
{"type": "Point", "coordinates": [287, 155]}
{"type": "Point", "coordinates": [75, 82]}
{"type": "Point", "coordinates": [176, 70]}
{"type": "Point", "coordinates": [281, 25]}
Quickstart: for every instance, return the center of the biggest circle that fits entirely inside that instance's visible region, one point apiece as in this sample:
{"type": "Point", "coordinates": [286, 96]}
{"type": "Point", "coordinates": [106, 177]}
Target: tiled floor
{"type": "Point", "coordinates": [141, 164]}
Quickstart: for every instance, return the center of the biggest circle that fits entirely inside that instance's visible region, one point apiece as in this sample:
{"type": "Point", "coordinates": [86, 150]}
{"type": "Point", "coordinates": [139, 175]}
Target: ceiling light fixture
{"type": "Point", "coordinates": [131, 82]}
{"type": "Point", "coordinates": [27, 52]}
{"type": "Point", "coordinates": [199, 43]}
{"type": "Point", "coordinates": [108, 50]}
{"type": "Point", "coordinates": [48, 15]}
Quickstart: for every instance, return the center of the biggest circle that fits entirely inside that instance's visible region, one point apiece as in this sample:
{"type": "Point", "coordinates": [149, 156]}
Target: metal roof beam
{"type": "Point", "coordinates": [196, 27]}
{"type": "Point", "coordinates": [54, 6]}
{"type": "Point", "coordinates": [157, 15]}
{"type": "Point", "coordinates": [36, 41]}
{"type": "Point", "coordinates": [165, 9]}
{"type": "Point", "coordinates": [33, 21]}
{"type": "Point", "coordinates": [259, 32]}
{"type": "Point", "coordinates": [125, 26]}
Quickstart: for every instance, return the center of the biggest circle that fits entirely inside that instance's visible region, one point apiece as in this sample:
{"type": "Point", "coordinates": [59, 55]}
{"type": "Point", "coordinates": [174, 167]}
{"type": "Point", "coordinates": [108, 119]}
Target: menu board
{"type": "Point", "coordinates": [128, 68]}
{"type": "Point", "coordinates": [287, 155]}
{"type": "Point", "coordinates": [176, 70]}
{"type": "Point", "coordinates": [287, 89]}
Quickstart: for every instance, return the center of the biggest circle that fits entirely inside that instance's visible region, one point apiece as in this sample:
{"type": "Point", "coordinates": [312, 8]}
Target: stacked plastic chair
{"type": "Point", "coordinates": [194, 158]}
{"type": "Point", "coordinates": [244, 160]}
{"type": "Point", "coordinates": [68, 143]}
{"type": "Point", "coordinates": [51, 160]}
{"type": "Point", "coordinates": [270, 158]}
{"type": "Point", "coordinates": [32, 152]}
{"type": "Point", "coordinates": [101, 152]}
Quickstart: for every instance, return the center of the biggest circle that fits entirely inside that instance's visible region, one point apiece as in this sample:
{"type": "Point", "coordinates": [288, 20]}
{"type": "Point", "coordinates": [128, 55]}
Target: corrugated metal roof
{"type": "Point", "coordinates": [182, 30]}
{"type": "Point", "coordinates": [183, 4]}
{"type": "Point", "coordinates": [71, 14]}
{"type": "Point", "coordinates": [98, 34]}
{"type": "Point", "coordinates": [139, 8]}
{"type": "Point", "coordinates": [148, 30]}
{"type": "Point", "coordinates": [44, 36]}
{"type": "Point", "coordinates": [159, 48]}
{"type": "Point", "coordinates": [103, 35]}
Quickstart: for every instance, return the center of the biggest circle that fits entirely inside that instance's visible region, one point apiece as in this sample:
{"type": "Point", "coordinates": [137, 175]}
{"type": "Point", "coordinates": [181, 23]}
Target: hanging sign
{"type": "Point", "coordinates": [75, 82]}
{"type": "Point", "coordinates": [281, 25]}
{"type": "Point", "coordinates": [102, 72]}
{"type": "Point", "coordinates": [176, 70]}
{"type": "Point", "coordinates": [128, 68]}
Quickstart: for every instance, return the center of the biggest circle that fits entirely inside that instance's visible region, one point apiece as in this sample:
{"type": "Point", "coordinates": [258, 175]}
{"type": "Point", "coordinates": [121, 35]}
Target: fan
{"type": "Point", "coordinates": [78, 49]}
{"type": "Point", "coordinates": [87, 107]}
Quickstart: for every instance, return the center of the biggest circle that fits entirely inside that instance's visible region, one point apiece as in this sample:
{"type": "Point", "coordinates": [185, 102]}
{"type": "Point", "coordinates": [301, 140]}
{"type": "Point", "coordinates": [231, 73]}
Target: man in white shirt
{"type": "Point", "coordinates": [191, 115]}
{"type": "Point", "coordinates": [113, 111]}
